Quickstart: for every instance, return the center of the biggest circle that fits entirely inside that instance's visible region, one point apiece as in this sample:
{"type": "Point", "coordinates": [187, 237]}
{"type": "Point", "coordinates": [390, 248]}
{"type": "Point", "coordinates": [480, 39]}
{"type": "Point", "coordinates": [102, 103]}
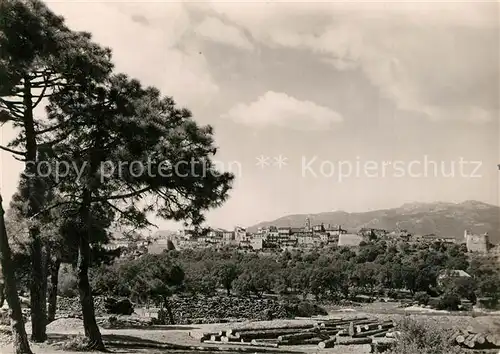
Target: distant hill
{"type": "Point", "coordinates": [442, 219]}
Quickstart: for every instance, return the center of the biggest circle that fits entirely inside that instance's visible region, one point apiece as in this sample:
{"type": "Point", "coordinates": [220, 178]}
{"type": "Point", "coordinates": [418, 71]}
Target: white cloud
{"type": "Point", "coordinates": [216, 30]}
{"type": "Point", "coordinates": [145, 39]}
{"type": "Point", "coordinates": [279, 109]}
{"type": "Point", "coordinates": [438, 59]}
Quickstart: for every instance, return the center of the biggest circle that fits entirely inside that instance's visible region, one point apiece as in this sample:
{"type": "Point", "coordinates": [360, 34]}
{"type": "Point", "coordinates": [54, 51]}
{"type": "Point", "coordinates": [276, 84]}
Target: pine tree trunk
{"type": "Point", "coordinates": [54, 280]}
{"type": "Point", "coordinates": [20, 339]}
{"type": "Point", "coordinates": [45, 282]}
{"type": "Point", "coordinates": [89, 322]}
{"type": "Point", "coordinates": [35, 201]}
{"type": "Point", "coordinates": [2, 292]}
{"type": "Point", "coordinates": [38, 293]}
{"type": "Point", "coordinates": [91, 328]}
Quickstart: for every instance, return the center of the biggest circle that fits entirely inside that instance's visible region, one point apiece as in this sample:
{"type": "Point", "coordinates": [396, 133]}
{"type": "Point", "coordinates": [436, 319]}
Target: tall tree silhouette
{"type": "Point", "coordinates": [40, 58]}
{"type": "Point", "coordinates": [135, 153]}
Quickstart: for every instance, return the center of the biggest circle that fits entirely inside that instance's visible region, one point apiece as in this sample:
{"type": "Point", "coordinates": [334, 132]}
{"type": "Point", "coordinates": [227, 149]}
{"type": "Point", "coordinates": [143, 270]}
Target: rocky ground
{"type": "Point", "coordinates": [138, 329]}
{"type": "Point", "coordinates": [63, 329]}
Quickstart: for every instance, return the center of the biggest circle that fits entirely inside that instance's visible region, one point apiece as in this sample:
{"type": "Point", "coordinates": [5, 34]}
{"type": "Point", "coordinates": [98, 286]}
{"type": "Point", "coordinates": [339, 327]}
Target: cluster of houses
{"type": "Point", "coordinates": [274, 238]}
{"type": "Point", "coordinates": [289, 238]}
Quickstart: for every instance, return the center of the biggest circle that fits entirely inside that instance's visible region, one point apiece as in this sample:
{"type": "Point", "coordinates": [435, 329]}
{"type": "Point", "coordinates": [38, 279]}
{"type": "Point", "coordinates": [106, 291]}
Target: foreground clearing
{"type": "Point", "coordinates": [131, 341]}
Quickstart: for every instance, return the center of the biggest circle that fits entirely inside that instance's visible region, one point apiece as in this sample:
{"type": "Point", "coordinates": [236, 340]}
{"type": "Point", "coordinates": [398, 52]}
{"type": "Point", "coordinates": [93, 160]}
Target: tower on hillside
{"type": "Point", "coordinates": [477, 243]}
{"type": "Point", "coordinates": [307, 225]}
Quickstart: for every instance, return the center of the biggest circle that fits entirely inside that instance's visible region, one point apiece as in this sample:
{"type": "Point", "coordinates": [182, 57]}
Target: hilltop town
{"type": "Point", "coordinates": [311, 237]}
{"type": "Point", "coordinates": [471, 223]}
{"type": "Point", "coordinates": [307, 238]}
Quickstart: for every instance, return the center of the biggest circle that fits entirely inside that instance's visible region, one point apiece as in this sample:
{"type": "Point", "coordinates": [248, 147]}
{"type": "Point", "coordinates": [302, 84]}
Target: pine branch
{"type": "Point", "coordinates": [38, 74]}
{"type": "Point", "coordinates": [52, 207]}
{"type": "Point", "coordinates": [12, 151]}
{"type": "Point", "coordinates": [42, 95]}
{"type": "Point", "coordinates": [125, 214]}
{"type": "Point", "coordinates": [45, 83]}
{"type": "Point", "coordinates": [51, 128]}
{"type": "Point", "coordinates": [5, 116]}
{"type": "Point", "coordinates": [12, 107]}
{"type": "Point", "coordinates": [58, 140]}
{"type": "Point", "coordinates": [123, 196]}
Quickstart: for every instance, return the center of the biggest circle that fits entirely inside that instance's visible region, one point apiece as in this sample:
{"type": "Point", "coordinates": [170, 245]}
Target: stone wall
{"type": "Point", "coordinates": [207, 309]}
{"type": "Point", "coordinates": [214, 309]}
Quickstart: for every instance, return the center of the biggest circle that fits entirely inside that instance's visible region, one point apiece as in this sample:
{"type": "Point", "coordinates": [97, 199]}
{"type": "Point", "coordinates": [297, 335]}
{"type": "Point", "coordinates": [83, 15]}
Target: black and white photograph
{"type": "Point", "coordinates": [249, 176]}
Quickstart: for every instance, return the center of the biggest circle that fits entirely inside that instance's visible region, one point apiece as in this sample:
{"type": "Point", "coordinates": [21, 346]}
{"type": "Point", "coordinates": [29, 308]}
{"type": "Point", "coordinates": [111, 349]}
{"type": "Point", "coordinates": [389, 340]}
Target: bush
{"type": "Point", "coordinates": [393, 294]}
{"type": "Point", "coordinates": [422, 298]}
{"type": "Point", "coordinates": [489, 286]}
{"type": "Point", "coordinates": [4, 317]}
{"type": "Point", "coordinates": [306, 309]}
{"type": "Point", "coordinates": [419, 337]}
{"type": "Point", "coordinates": [68, 283]}
{"type": "Point", "coordinates": [76, 344]}
{"type": "Point", "coordinates": [434, 302]}
{"type": "Point", "coordinates": [488, 303]}
{"type": "Point", "coordinates": [119, 307]}
{"type": "Point", "coordinates": [449, 301]}
{"type": "Point", "coordinates": [463, 287]}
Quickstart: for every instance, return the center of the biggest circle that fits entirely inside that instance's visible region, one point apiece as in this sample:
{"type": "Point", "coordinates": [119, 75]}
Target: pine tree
{"type": "Point", "coordinates": [20, 339]}
{"type": "Point", "coordinates": [39, 58]}
{"type": "Point", "coordinates": [109, 132]}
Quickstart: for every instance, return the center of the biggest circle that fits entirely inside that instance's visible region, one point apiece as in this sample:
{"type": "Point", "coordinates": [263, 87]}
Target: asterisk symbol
{"type": "Point", "coordinates": [262, 161]}
{"type": "Point", "coordinates": [280, 161]}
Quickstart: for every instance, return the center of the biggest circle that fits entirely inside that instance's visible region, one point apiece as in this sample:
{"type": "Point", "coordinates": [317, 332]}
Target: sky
{"type": "Point", "coordinates": [320, 106]}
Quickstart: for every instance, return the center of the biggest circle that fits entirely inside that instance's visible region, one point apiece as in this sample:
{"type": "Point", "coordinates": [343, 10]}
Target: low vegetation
{"type": "Point", "coordinates": [417, 337]}
{"type": "Point", "coordinates": [379, 269]}
{"type": "Point", "coordinates": [75, 344]}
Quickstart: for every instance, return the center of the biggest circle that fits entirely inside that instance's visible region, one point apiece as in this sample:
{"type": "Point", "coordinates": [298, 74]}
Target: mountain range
{"type": "Point", "coordinates": [439, 218]}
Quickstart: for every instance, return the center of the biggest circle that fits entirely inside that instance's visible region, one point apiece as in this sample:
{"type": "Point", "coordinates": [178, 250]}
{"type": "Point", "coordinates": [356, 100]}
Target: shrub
{"type": "Point", "coordinates": [434, 302]}
{"type": "Point", "coordinates": [462, 286]}
{"type": "Point", "coordinates": [119, 307]}
{"type": "Point", "coordinates": [449, 301]}
{"type": "Point", "coordinates": [489, 286]}
{"type": "Point", "coordinates": [419, 337]}
{"type": "Point", "coordinates": [306, 309]}
{"type": "Point", "coordinates": [422, 298]}
{"type": "Point", "coordinates": [68, 283]}
{"type": "Point", "coordinates": [393, 294]}
{"type": "Point", "coordinates": [488, 303]}
{"type": "Point", "coordinates": [76, 344]}
{"type": "Point", "coordinates": [4, 318]}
